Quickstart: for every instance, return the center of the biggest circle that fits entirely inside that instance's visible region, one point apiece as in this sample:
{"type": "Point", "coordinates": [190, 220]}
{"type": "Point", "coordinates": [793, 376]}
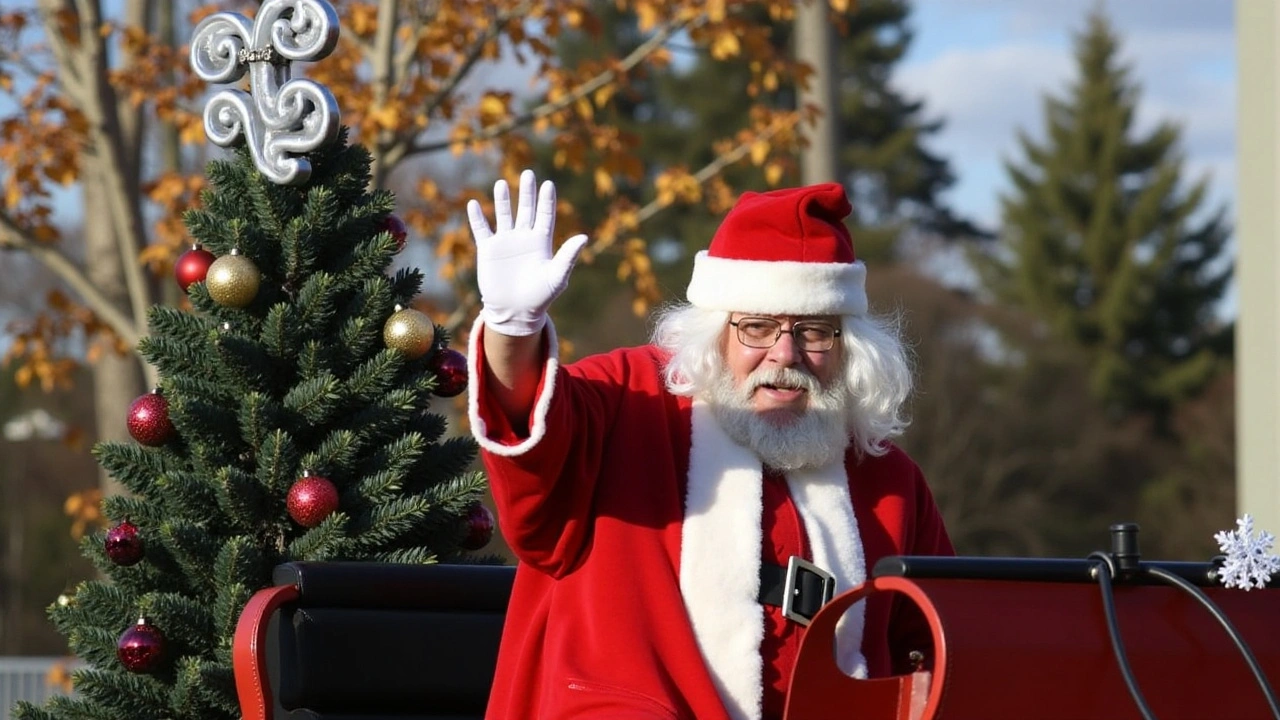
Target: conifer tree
{"type": "Point", "coordinates": [896, 182]}
{"type": "Point", "coordinates": [1105, 245]}
{"type": "Point", "coordinates": [293, 422]}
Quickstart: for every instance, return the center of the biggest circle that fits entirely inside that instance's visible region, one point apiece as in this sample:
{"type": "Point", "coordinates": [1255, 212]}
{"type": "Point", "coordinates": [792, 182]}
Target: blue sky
{"type": "Point", "coordinates": [985, 66]}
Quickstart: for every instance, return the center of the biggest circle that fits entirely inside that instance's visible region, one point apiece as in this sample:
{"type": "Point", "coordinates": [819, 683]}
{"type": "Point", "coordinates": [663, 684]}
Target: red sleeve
{"type": "Point", "coordinates": [497, 428]}
{"type": "Point", "coordinates": [931, 536]}
{"type": "Point", "coordinates": [543, 491]}
{"type": "Point", "coordinates": [908, 629]}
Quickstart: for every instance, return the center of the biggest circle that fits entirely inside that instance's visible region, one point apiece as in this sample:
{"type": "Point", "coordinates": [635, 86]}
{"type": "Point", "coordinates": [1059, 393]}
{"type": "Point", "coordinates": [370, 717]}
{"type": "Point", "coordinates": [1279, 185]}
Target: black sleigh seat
{"type": "Point", "coordinates": [371, 641]}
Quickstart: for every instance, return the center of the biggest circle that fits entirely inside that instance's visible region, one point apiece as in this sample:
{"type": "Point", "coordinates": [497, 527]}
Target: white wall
{"type": "Point", "coordinates": [1258, 263]}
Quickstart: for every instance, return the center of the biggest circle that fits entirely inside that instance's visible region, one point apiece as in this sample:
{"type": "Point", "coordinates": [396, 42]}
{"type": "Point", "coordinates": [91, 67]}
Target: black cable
{"type": "Point", "coordinates": [1221, 617]}
{"type": "Point", "coordinates": [1105, 572]}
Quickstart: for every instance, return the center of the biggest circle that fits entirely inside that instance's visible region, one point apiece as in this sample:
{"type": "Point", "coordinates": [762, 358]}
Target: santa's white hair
{"type": "Point", "coordinates": [877, 367]}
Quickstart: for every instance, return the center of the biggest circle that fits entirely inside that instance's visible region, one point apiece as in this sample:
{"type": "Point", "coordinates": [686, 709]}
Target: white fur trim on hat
{"type": "Point", "coordinates": [778, 287]}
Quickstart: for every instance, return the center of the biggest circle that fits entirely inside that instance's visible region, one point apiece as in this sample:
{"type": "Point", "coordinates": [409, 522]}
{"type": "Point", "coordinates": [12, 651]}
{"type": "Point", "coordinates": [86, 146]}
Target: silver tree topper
{"type": "Point", "coordinates": [281, 118]}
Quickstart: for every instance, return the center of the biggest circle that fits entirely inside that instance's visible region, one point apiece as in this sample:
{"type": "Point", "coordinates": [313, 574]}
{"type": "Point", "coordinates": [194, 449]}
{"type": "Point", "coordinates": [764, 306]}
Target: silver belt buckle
{"type": "Point", "coordinates": [791, 588]}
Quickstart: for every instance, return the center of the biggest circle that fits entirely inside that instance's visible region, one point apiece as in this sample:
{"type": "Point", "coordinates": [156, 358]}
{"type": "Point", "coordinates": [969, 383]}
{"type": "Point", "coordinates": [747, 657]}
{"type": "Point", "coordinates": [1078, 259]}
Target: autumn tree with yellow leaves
{"type": "Point", "coordinates": [102, 146]}
{"type": "Point", "coordinates": [881, 149]}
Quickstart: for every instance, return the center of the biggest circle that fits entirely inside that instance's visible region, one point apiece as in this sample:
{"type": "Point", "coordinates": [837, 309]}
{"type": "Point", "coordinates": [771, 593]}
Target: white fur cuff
{"type": "Point", "coordinates": [537, 428]}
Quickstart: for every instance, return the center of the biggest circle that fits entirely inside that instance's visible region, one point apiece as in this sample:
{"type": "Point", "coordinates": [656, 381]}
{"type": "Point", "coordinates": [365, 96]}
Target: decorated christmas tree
{"type": "Point", "coordinates": [293, 419]}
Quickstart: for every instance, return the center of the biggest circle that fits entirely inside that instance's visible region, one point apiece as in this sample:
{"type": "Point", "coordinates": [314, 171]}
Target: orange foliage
{"type": "Point", "coordinates": [172, 193]}
{"type": "Point", "coordinates": [37, 147]}
{"type": "Point", "coordinates": [59, 678]}
{"type": "Point", "coordinates": [85, 510]}
{"type": "Point", "coordinates": [37, 342]}
{"type": "Point", "coordinates": [437, 84]}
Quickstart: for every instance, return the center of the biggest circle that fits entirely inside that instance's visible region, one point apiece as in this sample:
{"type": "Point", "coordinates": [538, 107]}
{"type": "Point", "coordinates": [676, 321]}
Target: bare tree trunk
{"type": "Point", "coordinates": [170, 145]}
{"type": "Point", "coordinates": [117, 379]}
{"type": "Point", "coordinates": [385, 71]}
{"type": "Point", "coordinates": [814, 46]}
{"type": "Point", "coordinates": [114, 227]}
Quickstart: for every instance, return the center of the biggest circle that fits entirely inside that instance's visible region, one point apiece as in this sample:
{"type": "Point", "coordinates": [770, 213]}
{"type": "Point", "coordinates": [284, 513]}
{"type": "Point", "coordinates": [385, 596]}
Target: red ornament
{"type": "Point", "coordinates": [149, 420]}
{"type": "Point", "coordinates": [450, 368]}
{"type": "Point", "coordinates": [141, 647]}
{"type": "Point", "coordinates": [479, 525]}
{"type": "Point", "coordinates": [312, 499]}
{"type": "Point", "coordinates": [124, 544]}
{"type": "Point", "coordinates": [192, 266]}
{"type": "Point", "coordinates": [394, 225]}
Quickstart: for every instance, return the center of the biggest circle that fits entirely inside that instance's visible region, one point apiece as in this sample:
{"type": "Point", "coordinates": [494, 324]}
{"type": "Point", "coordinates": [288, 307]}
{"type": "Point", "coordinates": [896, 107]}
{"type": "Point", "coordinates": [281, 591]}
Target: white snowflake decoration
{"type": "Point", "coordinates": [1250, 562]}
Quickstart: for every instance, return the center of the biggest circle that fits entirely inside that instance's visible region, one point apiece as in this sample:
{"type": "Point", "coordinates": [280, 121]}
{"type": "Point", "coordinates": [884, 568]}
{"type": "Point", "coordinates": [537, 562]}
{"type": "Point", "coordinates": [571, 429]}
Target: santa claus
{"type": "Point", "coordinates": [681, 510]}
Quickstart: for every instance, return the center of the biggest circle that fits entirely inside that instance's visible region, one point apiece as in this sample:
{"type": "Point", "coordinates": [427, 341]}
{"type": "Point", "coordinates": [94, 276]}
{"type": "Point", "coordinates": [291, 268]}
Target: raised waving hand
{"type": "Point", "coordinates": [517, 273]}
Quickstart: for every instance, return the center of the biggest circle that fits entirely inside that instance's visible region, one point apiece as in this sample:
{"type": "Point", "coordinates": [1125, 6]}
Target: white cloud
{"type": "Point", "coordinates": [984, 66]}
{"type": "Point", "coordinates": [985, 94]}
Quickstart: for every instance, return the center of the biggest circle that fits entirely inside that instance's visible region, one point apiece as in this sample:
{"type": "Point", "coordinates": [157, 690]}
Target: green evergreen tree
{"type": "Point", "coordinates": [895, 181]}
{"type": "Point", "coordinates": [298, 381]}
{"type": "Point", "coordinates": [1102, 243]}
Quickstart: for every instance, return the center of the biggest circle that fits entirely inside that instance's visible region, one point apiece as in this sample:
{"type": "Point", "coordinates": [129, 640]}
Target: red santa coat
{"type": "Point", "coordinates": [592, 502]}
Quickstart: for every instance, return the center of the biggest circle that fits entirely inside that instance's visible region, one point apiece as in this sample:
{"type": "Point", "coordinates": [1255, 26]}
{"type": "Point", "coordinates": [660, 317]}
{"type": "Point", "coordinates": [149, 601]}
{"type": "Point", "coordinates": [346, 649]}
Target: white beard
{"type": "Point", "coordinates": [815, 438]}
{"type": "Point", "coordinates": [720, 579]}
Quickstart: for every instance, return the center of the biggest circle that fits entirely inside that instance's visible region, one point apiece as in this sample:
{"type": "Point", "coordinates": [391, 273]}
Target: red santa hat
{"type": "Point", "coordinates": [783, 252]}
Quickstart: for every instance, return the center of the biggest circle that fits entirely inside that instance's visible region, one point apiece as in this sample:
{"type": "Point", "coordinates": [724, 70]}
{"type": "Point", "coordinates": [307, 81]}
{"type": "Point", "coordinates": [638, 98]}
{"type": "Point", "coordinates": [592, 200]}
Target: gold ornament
{"type": "Point", "coordinates": [233, 280]}
{"type": "Point", "coordinates": [410, 332]}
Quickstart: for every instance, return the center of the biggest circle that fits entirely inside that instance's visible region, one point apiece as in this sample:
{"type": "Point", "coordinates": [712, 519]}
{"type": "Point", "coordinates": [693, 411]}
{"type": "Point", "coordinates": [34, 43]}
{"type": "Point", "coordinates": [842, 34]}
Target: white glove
{"type": "Point", "coordinates": [517, 275]}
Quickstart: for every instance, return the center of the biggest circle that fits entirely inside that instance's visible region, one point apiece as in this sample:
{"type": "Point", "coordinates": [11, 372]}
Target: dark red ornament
{"type": "Point", "coordinates": [192, 266]}
{"type": "Point", "coordinates": [312, 499]}
{"type": "Point", "coordinates": [124, 544]}
{"type": "Point", "coordinates": [141, 647]}
{"type": "Point", "coordinates": [479, 526]}
{"type": "Point", "coordinates": [149, 420]}
{"type": "Point", "coordinates": [394, 225]}
{"type": "Point", "coordinates": [450, 368]}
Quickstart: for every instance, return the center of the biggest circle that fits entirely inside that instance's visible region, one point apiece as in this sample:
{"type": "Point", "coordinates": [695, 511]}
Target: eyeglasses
{"type": "Point", "coordinates": [810, 335]}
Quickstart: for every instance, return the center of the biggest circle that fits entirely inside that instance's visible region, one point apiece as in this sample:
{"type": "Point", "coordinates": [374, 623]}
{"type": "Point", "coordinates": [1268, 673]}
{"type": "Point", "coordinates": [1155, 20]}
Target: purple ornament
{"type": "Point", "coordinates": [450, 368]}
{"type": "Point", "coordinates": [141, 647]}
{"type": "Point", "coordinates": [124, 544]}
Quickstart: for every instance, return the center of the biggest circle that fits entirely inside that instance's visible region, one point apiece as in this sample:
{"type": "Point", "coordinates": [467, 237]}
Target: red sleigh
{"type": "Point", "coordinates": [1013, 639]}
{"type": "Point", "coordinates": [1017, 639]}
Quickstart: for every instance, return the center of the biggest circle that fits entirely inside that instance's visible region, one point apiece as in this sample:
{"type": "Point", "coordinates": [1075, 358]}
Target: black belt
{"type": "Point", "coordinates": [800, 589]}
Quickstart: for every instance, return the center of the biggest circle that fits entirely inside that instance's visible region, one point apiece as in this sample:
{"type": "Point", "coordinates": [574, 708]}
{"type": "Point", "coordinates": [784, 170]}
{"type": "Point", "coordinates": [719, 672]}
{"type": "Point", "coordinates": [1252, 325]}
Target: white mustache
{"type": "Point", "coordinates": [782, 377]}
{"type": "Point", "coordinates": [814, 437]}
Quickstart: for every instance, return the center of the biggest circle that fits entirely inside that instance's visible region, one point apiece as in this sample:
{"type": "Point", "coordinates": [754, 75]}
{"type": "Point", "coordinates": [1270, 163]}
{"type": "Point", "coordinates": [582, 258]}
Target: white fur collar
{"type": "Point", "coordinates": [720, 558]}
